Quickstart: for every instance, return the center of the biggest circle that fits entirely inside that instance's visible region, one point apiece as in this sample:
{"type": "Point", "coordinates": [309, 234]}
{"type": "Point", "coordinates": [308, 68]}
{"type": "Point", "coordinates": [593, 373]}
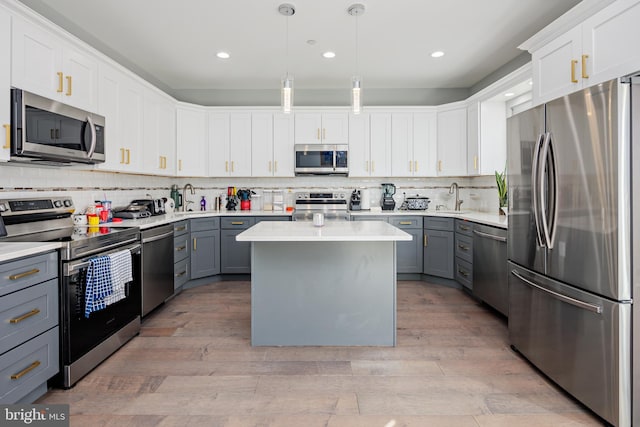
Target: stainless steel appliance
{"type": "Point", "coordinates": [321, 159]}
{"type": "Point", "coordinates": [387, 202]}
{"type": "Point", "coordinates": [157, 266]}
{"type": "Point", "coordinates": [85, 341]}
{"type": "Point", "coordinates": [354, 203]}
{"type": "Point", "coordinates": [571, 277]}
{"type": "Point", "coordinates": [334, 205]}
{"type": "Point", "coordinates": [490, 278]}
{"type": "Point", "coordinates": [43, 130]}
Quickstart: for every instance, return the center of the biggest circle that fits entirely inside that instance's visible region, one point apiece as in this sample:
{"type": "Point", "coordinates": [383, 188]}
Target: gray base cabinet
{"type": "Point", "coordinates": [409, 255]}
{"type": "Point", "coordinates": [205, 247]}
{"type": "Point", "coordinates": [235, 257]}
{"type": "Point", "coordinates": [181, 254]}
{"type": "Point", "coordinates": [438, 247]}
{"type": "Point", "coordinates": [464, 253]}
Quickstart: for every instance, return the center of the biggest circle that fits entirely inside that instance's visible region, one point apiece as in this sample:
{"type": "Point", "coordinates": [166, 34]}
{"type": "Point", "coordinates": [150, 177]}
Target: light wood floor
{"type": "Point", "coordinates": [193, 365]}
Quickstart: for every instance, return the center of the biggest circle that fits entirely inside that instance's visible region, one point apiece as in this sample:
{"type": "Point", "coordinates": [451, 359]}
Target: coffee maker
{"type": "Point", "coordinates": [354, 203]}
{"type": "Point", "coordinates": [387, 202]}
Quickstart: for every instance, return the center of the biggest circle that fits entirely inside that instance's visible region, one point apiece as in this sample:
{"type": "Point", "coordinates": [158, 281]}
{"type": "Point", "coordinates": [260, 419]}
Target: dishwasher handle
{"type": "Point", "coordinates": [158, 237]}
{"type": "Point", "coordinates": [490, 236]}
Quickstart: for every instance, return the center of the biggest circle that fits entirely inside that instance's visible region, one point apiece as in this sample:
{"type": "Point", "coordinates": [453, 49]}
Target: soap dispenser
{"type": "Point", "coordinates": [203, 204]}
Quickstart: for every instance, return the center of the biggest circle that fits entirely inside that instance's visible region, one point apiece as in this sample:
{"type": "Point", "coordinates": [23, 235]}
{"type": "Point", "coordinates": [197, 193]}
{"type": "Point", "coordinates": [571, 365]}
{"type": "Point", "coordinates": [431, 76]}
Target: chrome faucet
{"type": "Point", "coordinates": [454, 187]}
{"type": "Point", "coordinates": [185, 202]}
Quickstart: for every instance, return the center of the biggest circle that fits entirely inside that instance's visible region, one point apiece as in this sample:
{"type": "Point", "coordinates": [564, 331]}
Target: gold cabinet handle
{"type": "Point", "coordinates": [415, 166]}
{"type": "Point", "coordinates": [69, 90]}
{"type": "Point", "coordinates": [573, 71]}
{"type": "Point", "coordinates": [26, 370]}
{"type": "Point", "coordinates": [226, 165]}
{"type": "Point", "coordinates": [318, 134]}
{"type": "Point", "coordinates": [275, 166]}
{"type": "Point", "coordinates": [181, 228]}
{"type": "Point", "coordinates": [7, 132]}
{"type": "Point", "coordinates": [475, 162]}
{"type": "Point", "coordinates": [584, 67]}
{"type": "Point", "coordinates": [439, 165]}
{"type": "Point", "coordinates": [324, 133]}
{"type": "Point", "coordinates": [160, 167]}
{"type": "Point", "coordinates": [182, 273]}
{"type": "Point", "coordinates": [181, 248]}
{"type": "Point", "coordinates": [122, 156]}
{"type": "Point", "coordinates": [195, 243]}
{"type": "Point", "coordinates": [366, 165]}
{"type": "Point", "coordinates": [180, 164]}
{"type": "Point", "coordinates": [237, 222]}
{"type": "Point", "coordinates": [464, 273]}
{"type": "Point", "coordinates": [425, 241]}
{"type": "Point", "coordinates": [463, 228]}
{"type": "Point", "coordinates": [60, 82]}
{"type": "Point", "coordinates": [269, 165]}
{"type": "Point", "coordinates": [410, 164]}
{"type": "Point", "coordinates": [463, 247]}
{"type": "Point", "coordinates": [373, 166]}
{"type": "Point", "coordinates": [24, 316]}
{"type": "Point", "coordinates": [405, 222]}
{"type": "Point", "coordinates": [232, 166]}
{"type": "Point", "coordinates": [24, 274]}
{"type": "Point", "coordinates": [128, 156]}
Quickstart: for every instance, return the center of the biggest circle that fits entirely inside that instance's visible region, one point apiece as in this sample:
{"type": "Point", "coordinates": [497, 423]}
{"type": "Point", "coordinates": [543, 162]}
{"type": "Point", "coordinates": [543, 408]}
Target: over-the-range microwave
{"type": "Point", "coordinates": [48, 131]}
{"type": "Point", "coordinates": [321, 159]}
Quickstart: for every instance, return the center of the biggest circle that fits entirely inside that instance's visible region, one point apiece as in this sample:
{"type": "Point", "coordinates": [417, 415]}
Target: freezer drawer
{"type": "Point", "coordinates": [579, 340]}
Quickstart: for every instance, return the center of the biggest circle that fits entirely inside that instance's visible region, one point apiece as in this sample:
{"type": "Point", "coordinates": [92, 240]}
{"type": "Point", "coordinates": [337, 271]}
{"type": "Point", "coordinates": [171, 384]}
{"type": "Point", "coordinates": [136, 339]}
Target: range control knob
{"type": "Point", "coordinates": [68, 203]}
{"type": "Point", "coordinates": [342, 195]}
{"type": "Point", "coordinates": [3, 207]}
{"type": "Point", "coordinates": [57, 203]}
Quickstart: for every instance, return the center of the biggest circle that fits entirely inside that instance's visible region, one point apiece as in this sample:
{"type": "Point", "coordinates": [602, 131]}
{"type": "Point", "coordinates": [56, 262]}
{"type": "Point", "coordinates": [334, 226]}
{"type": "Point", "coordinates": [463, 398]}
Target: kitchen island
{"type": "Point", "coordinates": [333, 285]}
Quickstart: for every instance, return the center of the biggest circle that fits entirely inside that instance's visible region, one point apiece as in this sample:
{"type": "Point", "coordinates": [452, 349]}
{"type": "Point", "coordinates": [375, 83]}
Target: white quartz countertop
{"type": "Point", "coordinates": [332, 231]}
{"type": "Point", "coordinates": [14, 250]}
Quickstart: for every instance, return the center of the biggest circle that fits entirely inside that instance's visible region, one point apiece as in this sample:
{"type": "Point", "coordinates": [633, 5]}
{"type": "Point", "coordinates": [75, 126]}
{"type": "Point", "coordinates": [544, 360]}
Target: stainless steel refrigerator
{"type": "Point", "coordinates": [574, 244]}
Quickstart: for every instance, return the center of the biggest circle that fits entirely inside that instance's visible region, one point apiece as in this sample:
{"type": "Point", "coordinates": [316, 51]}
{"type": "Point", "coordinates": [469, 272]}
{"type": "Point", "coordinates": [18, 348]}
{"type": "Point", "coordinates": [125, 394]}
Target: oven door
{"type": "Point", "coordinates": [320, 159]}
{"type": "Point", "coordinates": [47, 130]}
{"type": "Point", "coordinates": [81, 334]}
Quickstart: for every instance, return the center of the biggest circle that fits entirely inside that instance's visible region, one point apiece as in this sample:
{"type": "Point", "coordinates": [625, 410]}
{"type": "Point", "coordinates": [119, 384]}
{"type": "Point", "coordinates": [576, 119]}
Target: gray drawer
{"type": "Point", "coordinates": [205, 224]}
{"type": "Point", "coordinates": [370, 218]}
{"type": "Point", "coordinates": [237, 223]}
{"type": "Point", "coordinates": [406, 221]}
{"type": "Point", "coordinates": [464, 247]}
{"type": "Point", "coordinates": [27, 313]}
{"type": "Point", "coordinates": [28, 366]}
{"type": "Point", "coordinates": [180, 247]}
{"type": "Point", "coordinates": [19, 274]}
{"type": "Point", "coordinates": [433, 223]}
{"type": "Point", "coordinates": [464, 273]}
{"type": "Point", "coordinates": [464, 227]}
{"type": "Point", "coordinates": [272, 218]}
{"type": "Point", "coordinates": [180, 228]}
{"type": "Point", "coordinates": [180, 273]}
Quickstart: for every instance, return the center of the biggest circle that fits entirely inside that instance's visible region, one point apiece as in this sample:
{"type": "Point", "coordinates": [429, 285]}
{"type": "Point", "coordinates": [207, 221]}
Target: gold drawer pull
{"type": "Point", "coordinates": [195, 244]}
{"type": "Point", "coordinates": [181, 228]}
{"type": "Point", "coordinates": [573, 71]}
{"type": "Point", "coordinates": [7, 131]}
{"type": "Point", "coordinates": [23, 275]}
{"type": "Point", "coordinates": [69, 90]}
{"type": "Point", "coordinates": [182, 273]}
{"type": "Point", "coordinates": [584, 67]}
{"type": "Point", "coordinates": [181, 248]}
{"type": "Point", "coordinates": [24, 316]}
{"type": "Point", "coordinates": [464, 273]}
{"type": "Point", "coordinates": [237, 222]}
{"type": "Point", "coordinates": [463, 247]}
{"type": "Point", "coordinates": [26, 370]}
{"type": "Point", "coordinates": [426, 241]}
{"type": "Point", "coordinates": [405, 222]}
{"type": "Point", "coordinates": [463, 228]}
{"type": "Point", "coordinates": [60, 81]}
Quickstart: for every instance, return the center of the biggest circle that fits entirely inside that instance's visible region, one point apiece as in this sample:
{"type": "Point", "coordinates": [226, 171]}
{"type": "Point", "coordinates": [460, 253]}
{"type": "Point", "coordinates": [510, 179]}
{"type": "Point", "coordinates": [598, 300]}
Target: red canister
{"type": "Point", "coordinates": [245, 205]}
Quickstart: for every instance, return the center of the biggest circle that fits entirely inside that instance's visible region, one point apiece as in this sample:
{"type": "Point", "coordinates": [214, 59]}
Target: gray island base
{"type": "Point", "coordinates": [323, 286]}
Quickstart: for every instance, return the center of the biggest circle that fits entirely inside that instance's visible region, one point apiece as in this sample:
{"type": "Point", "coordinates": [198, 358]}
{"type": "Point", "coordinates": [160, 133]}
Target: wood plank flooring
{"type": "Point", "coordinates": [193, 365]}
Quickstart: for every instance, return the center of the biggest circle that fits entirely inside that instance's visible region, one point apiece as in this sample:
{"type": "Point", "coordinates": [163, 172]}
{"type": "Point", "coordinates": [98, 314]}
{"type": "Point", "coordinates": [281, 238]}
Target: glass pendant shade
{"type": "Point", "coordinates": [356, 95]}
{"type": "Point", "coordinates": [287, 94]}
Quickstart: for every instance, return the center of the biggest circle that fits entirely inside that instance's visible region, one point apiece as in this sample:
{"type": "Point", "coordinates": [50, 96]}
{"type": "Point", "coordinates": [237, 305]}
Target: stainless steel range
{"type": "Point", "coordinates": [85, 341]}
{"type": "Point", "coordinates": [333, 204]}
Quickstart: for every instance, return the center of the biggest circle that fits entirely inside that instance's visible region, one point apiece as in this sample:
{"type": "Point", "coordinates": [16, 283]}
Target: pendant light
{"type": "Point", "coordinates": [356, 82]}
{"type": "Point", "coordinates": [286, 98]}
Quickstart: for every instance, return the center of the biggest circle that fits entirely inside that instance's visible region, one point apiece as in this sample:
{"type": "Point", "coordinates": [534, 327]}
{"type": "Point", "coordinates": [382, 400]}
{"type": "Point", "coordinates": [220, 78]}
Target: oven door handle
{"type": "Point", "coordinates": [69, 269]}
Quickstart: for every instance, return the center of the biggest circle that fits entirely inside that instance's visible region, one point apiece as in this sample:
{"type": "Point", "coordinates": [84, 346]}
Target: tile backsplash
{"type": "Point", "coordinates": [86, 186]}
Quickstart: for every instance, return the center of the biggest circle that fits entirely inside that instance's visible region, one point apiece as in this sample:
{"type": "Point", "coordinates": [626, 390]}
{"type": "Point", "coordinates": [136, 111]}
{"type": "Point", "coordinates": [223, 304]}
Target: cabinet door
{"type": "Point", "coordinates": [452, 142]}
{"type": "Point", "coordinates": [235, 257]}
{"type": "Point", "coordinates": [473, 137]}
{"type": "Point", "coordinates": [167, 136]}
{"type": "Point", "coordinates": [159, 135]}
{"type": "Point", "coordinates": [402, 144]}
{"type": "Point", "coordinates": [308, 128]}
{"type": "Point", "coordinates": [262, 144]}
{"type": "Point", "coordinates": [5, 86]}
{"type": "Point", "coordinates": [191, 142]}
{"type": "Point", "coordinates": [492, 156]}
{"type": "Point", "coordinates": [80, 79]}
{"type": "Point", "coordinates": [425, 144]}
{"type": "Point", "coordinates": [205, 253]}
{"type": "Point", "coordinates": [359, 161]}
{"type": "Point", "coordinates": [409, 254]}
{"type": "Point", "coordinates": [109, 104]}
{"type": "Point", "coordinates": [604, 37]}
{"type": "Point", "coordinates": [438, 253]}
{"type": "Point", "coordinates": [335, 128]}
{"type": "Point", "coordinates": [552, 66]}
{"type": "Point", "coordinates": [380, 144]}
{"type": "Point", "coordinates": [131, 113]}
{"type": "Point", "coordinates": [240, 144]}
{"type": "Point", "coordinates": [283, 142]}
{"type": "Point", "coordinates": [219, 143]}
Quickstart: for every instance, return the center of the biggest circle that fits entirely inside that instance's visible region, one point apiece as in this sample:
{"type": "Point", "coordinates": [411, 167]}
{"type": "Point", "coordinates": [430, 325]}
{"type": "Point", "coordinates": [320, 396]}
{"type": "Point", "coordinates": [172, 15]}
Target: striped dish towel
{"type": "Point", "coordinates": [121, 274]}
{"type": "Point", "coordinates": [98, 284]}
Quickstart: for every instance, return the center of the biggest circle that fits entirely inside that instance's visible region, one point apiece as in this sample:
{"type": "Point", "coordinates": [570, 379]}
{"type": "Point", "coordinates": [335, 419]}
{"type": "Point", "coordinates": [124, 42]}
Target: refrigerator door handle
{"type": "Point", "coordinates": [535, 166]}
{"type": "Point", "coordinates": [547, 154]}
{"type": "Point", "coordinates": [575, 302]}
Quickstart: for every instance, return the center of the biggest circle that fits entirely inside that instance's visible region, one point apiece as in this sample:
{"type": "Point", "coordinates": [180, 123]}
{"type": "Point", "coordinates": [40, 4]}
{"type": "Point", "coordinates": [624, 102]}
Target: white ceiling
{"type": "Point", "coordinates": [173, 43]}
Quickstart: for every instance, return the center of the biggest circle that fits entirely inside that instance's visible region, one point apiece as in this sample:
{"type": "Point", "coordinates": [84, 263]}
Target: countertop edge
{"type": "Point", "coordinates": [10, 251]}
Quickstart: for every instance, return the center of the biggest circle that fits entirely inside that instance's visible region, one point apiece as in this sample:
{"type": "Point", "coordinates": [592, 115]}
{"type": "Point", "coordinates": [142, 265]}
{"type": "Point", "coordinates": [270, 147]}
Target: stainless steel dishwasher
{"type": "Point", "coordinates": [157, 266]}
{"type": "Point", "coordinates": [490, 278]}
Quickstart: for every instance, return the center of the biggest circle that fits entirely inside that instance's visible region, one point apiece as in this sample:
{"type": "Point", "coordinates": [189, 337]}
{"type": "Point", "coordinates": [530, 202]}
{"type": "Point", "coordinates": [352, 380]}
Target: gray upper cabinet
{"type": "Point", "coordinates": [438, 247]}
{"type": "Point", "coordinates": [205, 247]}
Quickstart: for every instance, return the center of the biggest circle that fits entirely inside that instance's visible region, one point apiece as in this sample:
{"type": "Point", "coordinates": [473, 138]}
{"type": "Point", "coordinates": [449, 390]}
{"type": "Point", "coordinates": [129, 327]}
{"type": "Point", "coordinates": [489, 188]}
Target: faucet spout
{"type": "Point", "coordinates": [185, 202]}
{"type": "Point", "coordinates": [452, 189]}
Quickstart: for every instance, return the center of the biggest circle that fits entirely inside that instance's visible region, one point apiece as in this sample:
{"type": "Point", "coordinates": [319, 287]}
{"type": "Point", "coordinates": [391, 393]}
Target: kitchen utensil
{"type": "Point", "coordinates": [80, 219]}
{"type": "Point", "coordinates": [93, 219]}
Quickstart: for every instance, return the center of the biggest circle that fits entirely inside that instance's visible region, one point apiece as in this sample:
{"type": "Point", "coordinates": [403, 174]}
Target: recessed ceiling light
{"type": "Point", "coordinates": [530, 82]}
{"type": "Point", "coordinates": [509, 94]}
{"type": "Point", "coordinates": [311, 42]}
{"type": "Point", "coordinates": [223, 55]}
{"type": "Point", "coordinates": [329, 54]}
{"type": "Point", "coordinates": [437, 54]}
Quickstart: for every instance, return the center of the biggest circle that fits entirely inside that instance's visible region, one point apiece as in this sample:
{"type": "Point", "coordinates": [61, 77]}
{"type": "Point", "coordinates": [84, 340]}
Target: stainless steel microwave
{"type": "Point", "coordinates": [44, 130]}
{"type": "Point", "coordinates": [321, 159]}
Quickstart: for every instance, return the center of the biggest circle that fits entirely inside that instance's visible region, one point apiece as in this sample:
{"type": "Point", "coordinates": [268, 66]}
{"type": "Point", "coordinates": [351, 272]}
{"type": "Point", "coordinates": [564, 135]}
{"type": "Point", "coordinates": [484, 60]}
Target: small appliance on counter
{"type": "Point", "coordinates": [141, 208]}
{"type": "Point", "coordinates": [387, 203]}
{"type": "Point", "coordinates": [232, 199]}
{"type": "Point", "coordinates": [354, 203]}
{"type": "Point", "coordinates": [245, 199]}
{"type": "Point", "coordinates": [415, 203]}
{"type": "Point", "coordinates": [176, 197]}
{"type": "Point", "coordinates": [365, 199]}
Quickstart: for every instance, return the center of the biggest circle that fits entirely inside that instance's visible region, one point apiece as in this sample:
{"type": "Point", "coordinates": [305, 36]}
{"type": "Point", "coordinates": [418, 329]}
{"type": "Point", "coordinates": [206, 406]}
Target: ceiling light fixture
{"type": "Point", "coordinates": [329, 55]}
{"type": "Point", "coordinates": [223, 55]}
{"type": "Point", "coordinates": [286, 92]}
{"type": "Point", "coordinates": [437, 54]}
{"type": "Point", "coordinates": [508, 94]}
{"type": "Point", "coordinates": [356, 82]}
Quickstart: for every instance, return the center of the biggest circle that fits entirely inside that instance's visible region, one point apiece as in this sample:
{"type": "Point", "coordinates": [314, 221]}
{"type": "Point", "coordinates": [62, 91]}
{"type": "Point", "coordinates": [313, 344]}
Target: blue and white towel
{"type": "Point", "coordinates": [121, 274]}
{"type": "Point", "coordinates": [98, 284]}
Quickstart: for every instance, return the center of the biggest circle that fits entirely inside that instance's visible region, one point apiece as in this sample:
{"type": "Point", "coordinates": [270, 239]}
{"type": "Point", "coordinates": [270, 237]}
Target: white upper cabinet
{"type": "Point", "coordinates": [321, 128]}
{"type": "Point", "coordinates": [45, 64]}
{"type": "Point", "coordinates": [5, 86]}
{"type": "Point", "coordinates": [402, 144]}
{"type": "Point", "coordinates": [192, 148]}
{"type": "Point", "coordinates": [486, 137]}
{"type": "Point", "coordinates": [413, 144]}
{"type": "Point", "coordinates": [597, 50]}
{"type": "Point", "coordinates": [359, 151]}
{"type": "Point", "coordinates": [272, 145]}
{"type": "Point", "coordinates": [473, 137]}
{"type": "Point", "coordinates": [452, 142]}
{"type": "Point", "coordinates": [230, 142]}
{"type": "Point", "coordinates": [159, 135]}
{"type": "Point", "coordinates": [379, 145]}
{"type": "Point", "coordinates": [425, 144]}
